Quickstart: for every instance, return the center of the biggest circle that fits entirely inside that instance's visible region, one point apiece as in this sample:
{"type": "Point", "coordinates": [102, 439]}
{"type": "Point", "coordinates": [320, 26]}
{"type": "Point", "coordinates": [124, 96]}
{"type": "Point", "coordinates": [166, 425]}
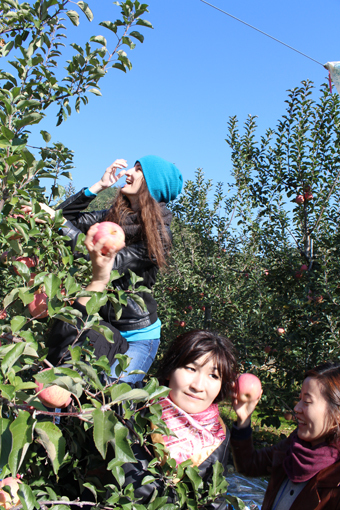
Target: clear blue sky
{"type": "Point", "coordinates": [194, 70]}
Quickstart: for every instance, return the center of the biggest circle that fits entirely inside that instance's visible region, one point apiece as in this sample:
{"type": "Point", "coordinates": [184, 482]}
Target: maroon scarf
{"type": "Point", "coordinates": [303, 461]}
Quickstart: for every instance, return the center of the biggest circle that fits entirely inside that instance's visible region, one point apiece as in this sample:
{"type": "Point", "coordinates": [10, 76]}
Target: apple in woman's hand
{"type": "Point", "coordinates": [248, 388]}
{"type": "Point", "coordinates": [115, 237]}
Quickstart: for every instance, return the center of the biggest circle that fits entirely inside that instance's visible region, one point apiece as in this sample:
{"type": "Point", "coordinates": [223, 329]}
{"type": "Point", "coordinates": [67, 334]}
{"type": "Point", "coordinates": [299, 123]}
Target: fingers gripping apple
{"type": "Point", "coordinates": [114, 234]}
{"type": "Point", "coordinates": [248, 388]}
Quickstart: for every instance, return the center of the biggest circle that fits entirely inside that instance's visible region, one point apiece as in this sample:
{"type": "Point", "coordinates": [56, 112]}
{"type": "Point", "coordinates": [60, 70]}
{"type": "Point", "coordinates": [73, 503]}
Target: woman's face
{"type": "Point", "coordinates": [312, 413]}
{"type": "Point", "coordinates": [195, 386]}
{"type": "Point", "coordinates": [134, 179]}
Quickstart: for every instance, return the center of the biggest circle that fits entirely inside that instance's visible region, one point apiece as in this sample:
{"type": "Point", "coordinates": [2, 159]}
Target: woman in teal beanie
{"type": "Point", "coordinates": [139, 208]}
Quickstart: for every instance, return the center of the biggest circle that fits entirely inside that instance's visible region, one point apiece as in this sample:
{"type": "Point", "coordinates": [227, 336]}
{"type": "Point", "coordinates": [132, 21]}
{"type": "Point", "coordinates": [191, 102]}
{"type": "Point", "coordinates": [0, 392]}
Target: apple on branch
{"type": "Point", "coordinates": [8, 500]}
{"type": "Point", "coordinates": [114, 234]}
{"type": "Point", "coordinates": [53, 396]}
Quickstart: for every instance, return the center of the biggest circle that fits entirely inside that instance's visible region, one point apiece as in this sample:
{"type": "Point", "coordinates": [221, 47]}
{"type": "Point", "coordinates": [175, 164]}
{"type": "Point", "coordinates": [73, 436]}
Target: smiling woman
{"type": "Point", "coordinates": [305, 467]}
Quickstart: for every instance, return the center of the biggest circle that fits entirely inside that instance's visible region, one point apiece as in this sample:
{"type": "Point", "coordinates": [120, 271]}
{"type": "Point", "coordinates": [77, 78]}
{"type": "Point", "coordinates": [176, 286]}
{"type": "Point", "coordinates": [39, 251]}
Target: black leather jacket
{"type": "Point", "coordinates": [134, 257]}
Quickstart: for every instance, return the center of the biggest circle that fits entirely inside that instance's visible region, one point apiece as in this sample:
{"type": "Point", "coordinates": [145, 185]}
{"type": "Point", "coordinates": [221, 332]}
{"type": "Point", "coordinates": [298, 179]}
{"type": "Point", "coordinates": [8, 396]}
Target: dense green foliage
{"type": "Point", "coordinates": [258, 261]}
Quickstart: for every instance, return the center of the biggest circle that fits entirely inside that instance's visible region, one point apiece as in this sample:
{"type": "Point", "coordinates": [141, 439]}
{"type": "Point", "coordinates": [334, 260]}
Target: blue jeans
{"type": "Point", "coordinates": [142, 352]}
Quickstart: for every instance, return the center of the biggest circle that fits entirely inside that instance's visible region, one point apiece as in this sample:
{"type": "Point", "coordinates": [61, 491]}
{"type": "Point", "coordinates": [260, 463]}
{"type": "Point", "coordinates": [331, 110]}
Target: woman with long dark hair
{"type": "Point", "coordinates": [140, 209]}
{"type": "Point", "coordinates": [304, 469]}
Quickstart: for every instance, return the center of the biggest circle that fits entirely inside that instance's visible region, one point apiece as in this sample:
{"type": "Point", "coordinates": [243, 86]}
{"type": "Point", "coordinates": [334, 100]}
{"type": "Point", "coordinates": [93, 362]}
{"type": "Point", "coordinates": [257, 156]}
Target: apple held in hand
{"type": "Point", "coordinates": [248, 388]}
{"type": "Point", "coordinates": [115, 237]}
{"type": "Point", "coordinates": [53, 396]}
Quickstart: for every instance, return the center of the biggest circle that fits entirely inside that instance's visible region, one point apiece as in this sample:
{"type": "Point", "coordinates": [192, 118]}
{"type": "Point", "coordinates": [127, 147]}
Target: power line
{"type": "Point", "coordinates": [264, 33]}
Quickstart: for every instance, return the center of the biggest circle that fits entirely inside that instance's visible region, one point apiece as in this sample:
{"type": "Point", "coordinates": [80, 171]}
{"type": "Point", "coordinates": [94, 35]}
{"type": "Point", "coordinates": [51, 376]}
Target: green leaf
{"type": "Point", "coordinates": [52, 440]}
{"type": "Point", "coordinates": [10, 297]}
{"type": "Point", "coordinates": [22, 436]}
{"type": "Point", "coordinates": [86, 10]}
{"type": "Point", "coordinates": [46, 136]}
{"type": "Point", "coordinates": [88, 371]}
{"type": "Point", "coordinates": [144, 23]}
{"type": "Point", "coordinates": [27, 497]}
{"type": "Point", "coordinates": [137, 35]}
{"type": "Point", "coordinates": [17, 323]}
{"type": "Point", "coordinates": [99, 39]}
{"type": "Point", "coordinates": [123, 450]}
{"type": "Point", "coordinates": [12, 356]}
{"type": "Point", "coordinates": [123, 391]}
{"type": "Point", "coordinates": [74, 17]}
{"type": "Point", "coordinates": [103, 429]}
{"type": "Point", "coordinates": [30, 118]}
{"type": "Point", "coordinates": [95, 302]}
{"type": "Point", "coordinates": [139, 301]}
{"type": "Point", "coordinates": [96, 92]}
{"type": "Point", "coordinates": [5, 441]}
{"type": "Point", "coordinates": [52, 285]}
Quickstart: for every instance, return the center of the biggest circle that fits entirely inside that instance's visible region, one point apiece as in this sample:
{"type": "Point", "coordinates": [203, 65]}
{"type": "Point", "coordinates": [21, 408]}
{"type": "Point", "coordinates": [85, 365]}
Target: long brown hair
{"type": "Point", "coordinates": [190, 346]}
{"type": "Point", "coordinates": [150, 219]}
{"type": "Point", "coordinates": [328, 376]}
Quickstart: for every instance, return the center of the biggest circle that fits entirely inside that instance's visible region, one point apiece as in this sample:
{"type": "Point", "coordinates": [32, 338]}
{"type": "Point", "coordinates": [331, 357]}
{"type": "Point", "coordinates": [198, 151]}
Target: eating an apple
{"type": "Point", "coordinates": [53, 396]}
{"type": "Point", "coordinates": [114, 234]}
{"type": "Point", "coordinates": [248, 388]}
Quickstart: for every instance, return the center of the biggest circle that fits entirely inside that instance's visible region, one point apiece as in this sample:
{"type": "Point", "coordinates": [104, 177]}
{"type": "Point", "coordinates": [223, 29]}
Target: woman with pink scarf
{"type": "Point", "coordinates": [304, 469]}
{"type": "Point", "coordinates": [199, 368]}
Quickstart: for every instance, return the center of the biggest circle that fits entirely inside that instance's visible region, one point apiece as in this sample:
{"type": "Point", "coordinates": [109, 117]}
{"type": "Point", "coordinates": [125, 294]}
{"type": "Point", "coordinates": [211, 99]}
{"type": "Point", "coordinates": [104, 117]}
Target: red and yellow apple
{"type": "Point", "coordinates": [6, 500]}
{"type": "Point", "coordinates": [308, 196]}
{"type": "Point", "coordinates": [38, 308]}
{"type": "Point", "coordinates": [299, 199]}
{"type": "Point", "coordinates": [114, 234]}
{"type": "Point", "coordinates": [53, 396]}
{"type": "Point", "coordinates": [248, 388]}
{"type": "Point", "coordinates": [280, 331]}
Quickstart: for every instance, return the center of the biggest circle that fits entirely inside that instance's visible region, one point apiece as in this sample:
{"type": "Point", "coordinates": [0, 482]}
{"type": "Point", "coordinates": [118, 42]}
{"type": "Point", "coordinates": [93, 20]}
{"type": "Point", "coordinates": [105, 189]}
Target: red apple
{"type": "Point", "coordinates": [6, 500]}
{"type": "Point", "coordinates": [304, 267]}
{"type": "Point", "coordinates": [28, 261]}
{"type": "Point", "coordinates": [318, 299]}
{"type": "Point", "coordinates": [281, 331]}
{"type": "Point", "coordinates": [299, 199]}
{"type": "Point", "coordinates": [53, 396]}
{"type": "Point", "coordinates": [114, 234]}
{"type": "Point", "coordinates": [182, 324]}
{"type": "Point", "coordinates": [266, 272]}
{"type": "Point", "coordinates": [308, 196]}
{"type": "Point", "coordinates": [38, 307]}
{"type": "Point", "coordinates": [3, 314]}
{"type": "Point", "coordinates": [298, 275]}
{"type": "Point", "coordinates": [288, 416]}
{"type": "Point", "coordinates": [267, 349]}
{"type": "Point", "coordinates": [248, 388]}
{"type": "Point", "coordinates": [189, 308]}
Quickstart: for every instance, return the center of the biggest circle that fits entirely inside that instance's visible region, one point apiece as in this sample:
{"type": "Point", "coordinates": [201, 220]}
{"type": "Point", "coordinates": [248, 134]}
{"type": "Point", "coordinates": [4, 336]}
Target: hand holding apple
{"type": "Point", "coordinates": [247, 393]}
{"type": "Point", "coordinates": [112, 236]}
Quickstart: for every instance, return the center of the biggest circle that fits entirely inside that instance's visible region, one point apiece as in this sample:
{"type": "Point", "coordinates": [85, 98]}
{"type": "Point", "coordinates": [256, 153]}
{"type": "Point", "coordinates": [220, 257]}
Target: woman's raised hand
{"type": "Point", "coordinates": [101, 264]}
{"type": "Point", "coordinates": [110, 176]}
{"type": "Point", "coordinates": [243, 409]}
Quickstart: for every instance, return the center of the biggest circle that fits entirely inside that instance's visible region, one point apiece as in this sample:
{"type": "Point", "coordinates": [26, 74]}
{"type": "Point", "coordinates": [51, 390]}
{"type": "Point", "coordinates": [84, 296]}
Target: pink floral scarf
{"type": "Point", "coordinates": [194, 432]}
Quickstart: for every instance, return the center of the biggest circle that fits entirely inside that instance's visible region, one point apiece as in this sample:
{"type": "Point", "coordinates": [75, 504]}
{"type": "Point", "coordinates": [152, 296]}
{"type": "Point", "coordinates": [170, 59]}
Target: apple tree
{"type": "Point", "coordinates": [260, 264]}
{"type": "Point", "coordinates": [74, 456]}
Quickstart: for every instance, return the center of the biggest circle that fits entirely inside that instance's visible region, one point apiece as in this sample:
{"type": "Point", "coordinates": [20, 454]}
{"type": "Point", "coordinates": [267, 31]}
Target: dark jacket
{"type": "Point", "coordinates": [134, 257]}
{"type": "Point", "coordinates": [322, 492]}
{"type": "Point", "coordinates": [135, 472]}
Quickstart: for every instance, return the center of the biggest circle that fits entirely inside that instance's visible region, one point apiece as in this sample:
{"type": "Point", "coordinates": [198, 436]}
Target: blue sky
{"type": "Point", "coordinates": [194, 70]}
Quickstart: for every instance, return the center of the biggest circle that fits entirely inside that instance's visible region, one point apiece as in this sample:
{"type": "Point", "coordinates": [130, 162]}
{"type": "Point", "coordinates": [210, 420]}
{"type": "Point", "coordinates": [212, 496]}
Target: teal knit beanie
{"type": "Point", "coordinates": [163, 179]}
